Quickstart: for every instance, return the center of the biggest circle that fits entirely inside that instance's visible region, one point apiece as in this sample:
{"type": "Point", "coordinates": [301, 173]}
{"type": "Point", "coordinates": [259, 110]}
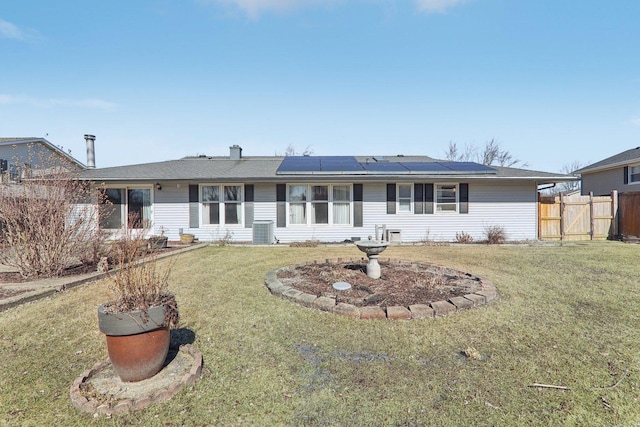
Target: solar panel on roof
{"type": "Point", "coordinates": [339, 164]}
{"type": "Point", "coordinates": [468, 167]}
{"type": "Point", "coordinates": [384, 167]}
{"type": "Point", "coordinates": [349, 164]}
{"type": "Point", "coordinates": [319, 164]}
{"type": "Point", "coordinates": [433, 167]}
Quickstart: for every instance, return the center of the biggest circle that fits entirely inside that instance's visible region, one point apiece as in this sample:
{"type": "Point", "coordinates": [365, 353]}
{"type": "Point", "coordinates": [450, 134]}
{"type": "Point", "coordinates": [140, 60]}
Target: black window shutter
{"type": "Point", "coordinates": [391, 199]}
{"type": "Point", "coordinates": [194, 217]}
{"type": "Point", "coordinates": [4, 166]}
{"type": "Point", "coordinates": [357, 205]}
{"type": "Point", "coordinates": [418, 198]}
{"type": "Point", "coordinates": [626, 174]}
{"type": "Point", "coordinates": [428, 198]}
{"type": "Point", "coordinates": [281, 202]}
{"type": "Point", "coordinates": [248, 206]}
{"type": "Point", "coordinates": [464, 198]}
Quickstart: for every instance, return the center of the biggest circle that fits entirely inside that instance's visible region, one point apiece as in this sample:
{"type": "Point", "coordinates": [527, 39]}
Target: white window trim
{"type": "Point", "coordinates": [221, 203]}
{"type": "Point", "coordinates": [436, 202]}
{"type": "Point", "coordinates": [125, 205]}
{"type": "Point", "coordinates": [629, 173]}
{"type": "Point", "coordinates": [411, 198]}
{"type": "Point", "coordinates": [308, 203]}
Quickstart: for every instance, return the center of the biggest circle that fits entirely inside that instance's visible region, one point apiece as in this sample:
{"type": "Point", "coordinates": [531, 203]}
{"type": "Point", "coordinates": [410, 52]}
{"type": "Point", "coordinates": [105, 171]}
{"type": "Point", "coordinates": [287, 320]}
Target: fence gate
{"type": "Point", "coordinates": [629, 213]}
{"type": "Point", "coordinates": [576, 217]}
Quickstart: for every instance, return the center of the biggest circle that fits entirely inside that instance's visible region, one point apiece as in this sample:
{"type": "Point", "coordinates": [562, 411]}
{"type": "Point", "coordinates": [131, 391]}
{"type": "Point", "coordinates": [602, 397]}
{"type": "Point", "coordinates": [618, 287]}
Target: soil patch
{"type": "Point", "coordinates": [77, 270]}
{"type": "Point", "coordinates": [401, 283]}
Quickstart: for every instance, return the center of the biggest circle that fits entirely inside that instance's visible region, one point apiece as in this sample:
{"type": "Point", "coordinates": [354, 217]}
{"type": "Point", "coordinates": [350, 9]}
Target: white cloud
{"type": "Point", "coordinates": [438, 6]}
{"type": "Point", "coordinates": [255, 8]}
{"type": "Point", "coordinates": [11, 31]}
{"type": "Point", "coordinates": [635, 121]}
{"type": "Point", "coordinates": [91, 103]}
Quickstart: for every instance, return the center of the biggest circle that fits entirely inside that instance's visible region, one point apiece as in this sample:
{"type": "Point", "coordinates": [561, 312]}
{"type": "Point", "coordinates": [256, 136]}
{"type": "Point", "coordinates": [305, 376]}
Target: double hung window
{"type": "Point", "coordinates": [319, 204]}
{"type": "Point", "coordinates": [634, 174]}
{"type": "Point", "coordinates": [404, 197]}
{"type": "Point", "coordinates": [221, 204]}
{"type": "Point", "coordinates": [446, 198]}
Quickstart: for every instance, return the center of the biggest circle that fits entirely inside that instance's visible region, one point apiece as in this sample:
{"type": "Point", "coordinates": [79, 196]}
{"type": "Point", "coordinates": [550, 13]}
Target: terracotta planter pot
{"type": "Point", "coordinates": [138, 344]}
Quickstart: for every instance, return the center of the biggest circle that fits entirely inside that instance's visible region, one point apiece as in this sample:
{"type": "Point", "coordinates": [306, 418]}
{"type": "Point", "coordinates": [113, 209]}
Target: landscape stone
{"type": "Point", "coordinates": [291, 293]}
{"type": "Point", "coordinates": [398, 313]}
{"type": "Point", "coordinates": [476, 299]}
{"type": "Point", "coordinates": [443, 308]}
{"type": "Point", "coordinates": [346, 310]}
{"type": "Point", "coordinates": [324, 303]}
{"type": "Point", "coordinates": [421, 311]}
{"type": "Point", "coordinates": [461, 303]}
{"type": "Point", "coordinates": [488, 294]}
{"type": "Point", "coordinates": [372, 312]}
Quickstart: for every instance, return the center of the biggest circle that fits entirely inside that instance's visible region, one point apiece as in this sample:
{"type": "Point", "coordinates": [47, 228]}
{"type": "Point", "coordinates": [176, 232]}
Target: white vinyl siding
{"type": "Point", "coordinates": [512, 205]}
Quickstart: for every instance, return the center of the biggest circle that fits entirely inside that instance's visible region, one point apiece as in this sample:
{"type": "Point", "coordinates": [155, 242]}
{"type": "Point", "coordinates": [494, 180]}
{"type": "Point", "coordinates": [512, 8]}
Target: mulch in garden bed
{"type": "Point", "coordinates": [401, 283]}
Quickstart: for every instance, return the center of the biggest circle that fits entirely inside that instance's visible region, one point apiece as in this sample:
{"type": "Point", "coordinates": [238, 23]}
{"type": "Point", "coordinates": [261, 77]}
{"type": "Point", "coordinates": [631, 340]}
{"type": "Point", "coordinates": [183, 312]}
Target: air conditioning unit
{"type": "Point", "coordinates": [263, 232]}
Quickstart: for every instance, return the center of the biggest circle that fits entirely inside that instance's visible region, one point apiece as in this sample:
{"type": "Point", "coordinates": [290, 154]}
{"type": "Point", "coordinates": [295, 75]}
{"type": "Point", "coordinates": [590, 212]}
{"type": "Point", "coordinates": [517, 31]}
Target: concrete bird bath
{"type": "Point", "coordinates": [373, 249]}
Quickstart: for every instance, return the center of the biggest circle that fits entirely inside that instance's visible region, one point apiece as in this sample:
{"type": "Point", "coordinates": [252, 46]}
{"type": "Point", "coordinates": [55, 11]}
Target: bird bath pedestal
{"type": "Point", "coordinates": [373, 250]}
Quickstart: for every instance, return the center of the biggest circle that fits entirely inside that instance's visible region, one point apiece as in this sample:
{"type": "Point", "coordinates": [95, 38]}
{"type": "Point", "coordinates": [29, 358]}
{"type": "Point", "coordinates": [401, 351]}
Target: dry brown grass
{"type": "Point", "coordinates": [565, 316]}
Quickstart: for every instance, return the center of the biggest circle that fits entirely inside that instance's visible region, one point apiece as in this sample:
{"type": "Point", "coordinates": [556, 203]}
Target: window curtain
{"type": "Point", "coordinates": [297, 213]}
{"type": "Point", "coordinates": [341, 213]}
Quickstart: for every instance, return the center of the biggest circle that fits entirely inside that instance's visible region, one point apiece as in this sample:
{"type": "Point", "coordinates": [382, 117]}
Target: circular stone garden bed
{"type": "Point", "coordinates": [405, 290]}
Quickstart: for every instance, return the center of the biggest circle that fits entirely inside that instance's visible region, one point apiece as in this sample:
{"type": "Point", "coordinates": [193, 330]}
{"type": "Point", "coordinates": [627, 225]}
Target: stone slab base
{"type": "Point", "coordinates": [99, 391]}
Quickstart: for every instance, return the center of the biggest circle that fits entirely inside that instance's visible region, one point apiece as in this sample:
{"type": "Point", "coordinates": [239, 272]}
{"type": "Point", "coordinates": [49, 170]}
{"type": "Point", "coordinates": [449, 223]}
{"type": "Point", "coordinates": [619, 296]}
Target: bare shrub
{"type": "Point", "coordinates": [225, 240]}
{"type": "Point", "coordinates": [45, 228]}
{"type": "Point", "coordinates": [495, 234]}
{"type": "Point", "coordinates": [463, 237]}
{"type": "Point", "coordinates": [137, 282]}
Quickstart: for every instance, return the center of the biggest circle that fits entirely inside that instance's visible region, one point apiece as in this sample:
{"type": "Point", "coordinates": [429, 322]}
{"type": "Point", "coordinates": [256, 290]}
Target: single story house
{"type": "Point", "coordinates": [620, 172]}
{"type": "Point", "coordinates": [18, 156]}
{"type": "Point", "coordinates": [325, 198]}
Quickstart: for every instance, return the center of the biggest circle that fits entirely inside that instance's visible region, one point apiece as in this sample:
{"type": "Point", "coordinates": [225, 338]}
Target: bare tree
{"type": "Point", "coordinates": [45, 229]}
{"type": "Point", "coordinates": [491, 154]}
{"type": "Point", "coordinates": [469, 154]}
{"type": "Point", "coordinates": [569, 186]}
{"type": "Point", "coordinates": [291, 151]}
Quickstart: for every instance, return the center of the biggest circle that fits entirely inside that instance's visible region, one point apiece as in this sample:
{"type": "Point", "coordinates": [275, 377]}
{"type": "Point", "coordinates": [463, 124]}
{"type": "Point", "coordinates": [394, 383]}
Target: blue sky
{"type": "Point", "coordinates": [554, 82]}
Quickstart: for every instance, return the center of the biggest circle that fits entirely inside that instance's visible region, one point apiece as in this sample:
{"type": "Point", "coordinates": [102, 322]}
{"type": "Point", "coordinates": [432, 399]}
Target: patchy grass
{"type": "Point", "coordinates": [566, 316]}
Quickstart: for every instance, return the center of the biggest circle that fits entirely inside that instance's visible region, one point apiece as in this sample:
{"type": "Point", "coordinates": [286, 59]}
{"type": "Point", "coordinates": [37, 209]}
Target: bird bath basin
{"type": "Point", "coordinates": [373, 249]}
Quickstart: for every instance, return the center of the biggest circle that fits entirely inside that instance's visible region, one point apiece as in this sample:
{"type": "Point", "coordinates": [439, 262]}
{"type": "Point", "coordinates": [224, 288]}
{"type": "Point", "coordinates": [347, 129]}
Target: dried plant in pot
{"type": "Point", "coordinates": [137, 320]}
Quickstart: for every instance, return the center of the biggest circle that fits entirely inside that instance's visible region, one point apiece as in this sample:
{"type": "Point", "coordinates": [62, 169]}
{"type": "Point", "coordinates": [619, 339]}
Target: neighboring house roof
{"type": "Point", "coordinates": [620, 159]}
{"type": "Point", "coordinates": [247, 168]}
{"type": "Point", "coordinates": [4, 141]}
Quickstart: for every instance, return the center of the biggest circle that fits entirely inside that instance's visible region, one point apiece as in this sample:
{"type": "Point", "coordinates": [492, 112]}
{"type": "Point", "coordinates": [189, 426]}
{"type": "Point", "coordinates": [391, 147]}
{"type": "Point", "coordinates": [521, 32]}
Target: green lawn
{"type": "Point", "coordinates": [566, 315]}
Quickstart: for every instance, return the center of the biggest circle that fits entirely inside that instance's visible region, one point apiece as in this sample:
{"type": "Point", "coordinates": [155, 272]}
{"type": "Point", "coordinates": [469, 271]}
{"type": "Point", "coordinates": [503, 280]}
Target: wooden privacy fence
{"type": "Point", "coordinates": [629, 214]}
{"type": "Point", "coordinates": [577, 217]}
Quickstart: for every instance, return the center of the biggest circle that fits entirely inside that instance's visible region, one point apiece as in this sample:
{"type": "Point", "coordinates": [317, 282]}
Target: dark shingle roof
{"type": "Point", "coordinates": [4, 141]}
{"type": "Point", "coordinates": [205, 168]}
{"type": "Point", "coordinates": [620, 159]}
